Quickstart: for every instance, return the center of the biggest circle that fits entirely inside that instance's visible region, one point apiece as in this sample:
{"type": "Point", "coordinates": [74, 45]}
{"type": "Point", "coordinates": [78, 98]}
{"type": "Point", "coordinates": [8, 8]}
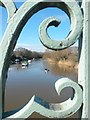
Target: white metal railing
{"type": "Point", "coordinates": [79, 24]}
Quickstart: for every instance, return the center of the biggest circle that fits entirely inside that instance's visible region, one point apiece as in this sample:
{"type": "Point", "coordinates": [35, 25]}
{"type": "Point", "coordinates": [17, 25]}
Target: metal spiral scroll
{"type": "Point", "coordinates": [16, 21]}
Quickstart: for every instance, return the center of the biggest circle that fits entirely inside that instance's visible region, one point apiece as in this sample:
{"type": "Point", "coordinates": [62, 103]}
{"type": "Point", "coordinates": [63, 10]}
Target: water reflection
{"type": "Point", "coordinates": [61, 70]}
{"type": "Point", "coordinates": [22, 84]}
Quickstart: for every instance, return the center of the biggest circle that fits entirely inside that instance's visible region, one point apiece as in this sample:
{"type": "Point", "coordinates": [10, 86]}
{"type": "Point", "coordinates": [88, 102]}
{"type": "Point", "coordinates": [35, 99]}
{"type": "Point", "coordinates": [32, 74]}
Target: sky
{"type": "Point", "coordinates": [29, 37]}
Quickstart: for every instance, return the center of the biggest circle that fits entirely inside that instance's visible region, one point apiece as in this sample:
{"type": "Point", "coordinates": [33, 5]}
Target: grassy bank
{"type": "Point", "coordinates": [67, 57]}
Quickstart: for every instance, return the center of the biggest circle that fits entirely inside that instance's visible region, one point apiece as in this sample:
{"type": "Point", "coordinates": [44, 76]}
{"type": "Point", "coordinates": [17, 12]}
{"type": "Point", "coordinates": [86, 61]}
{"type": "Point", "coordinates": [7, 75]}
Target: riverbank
{"type": "Point", "coordinates": [62, 63]}
{"type": "Point", "coordinates": [63, 58]}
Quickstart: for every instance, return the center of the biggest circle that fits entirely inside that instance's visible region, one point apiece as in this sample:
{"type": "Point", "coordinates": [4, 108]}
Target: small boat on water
{"type": "Point", "coordinates": [46, 70]}
{"type": "Point", "coordinates": [29, 61]}
{"type": "Point", "coordinates": [24, 67]}
{"type": "Point", "coordinates": [24, 63]}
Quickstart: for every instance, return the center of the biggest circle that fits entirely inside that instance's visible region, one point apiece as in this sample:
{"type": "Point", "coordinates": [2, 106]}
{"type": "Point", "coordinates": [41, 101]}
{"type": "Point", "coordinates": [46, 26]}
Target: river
{"type": "Point", "coordinates": [23, 83]}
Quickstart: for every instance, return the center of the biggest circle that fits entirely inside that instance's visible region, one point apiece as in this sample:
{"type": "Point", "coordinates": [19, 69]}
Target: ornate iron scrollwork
{"type": "Point", "coordinates": [16, 21]}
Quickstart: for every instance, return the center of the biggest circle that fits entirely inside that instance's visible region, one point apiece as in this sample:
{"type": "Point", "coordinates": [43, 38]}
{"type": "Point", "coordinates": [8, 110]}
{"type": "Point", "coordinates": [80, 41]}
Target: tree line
{"type": "Point", "coordinates": [69, 54]}
{"type": "Point", "coordinates": [25, 54]}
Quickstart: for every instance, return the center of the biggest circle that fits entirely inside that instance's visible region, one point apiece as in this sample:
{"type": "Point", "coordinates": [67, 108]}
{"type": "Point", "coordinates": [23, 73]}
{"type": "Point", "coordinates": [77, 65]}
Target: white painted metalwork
{"type": "Point", "coordinates": [84, 62]}
{"type": "Point", "coordinates": [16, 21]}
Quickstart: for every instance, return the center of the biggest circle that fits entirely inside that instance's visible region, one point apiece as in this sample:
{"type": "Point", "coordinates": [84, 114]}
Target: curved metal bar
{"type": "Point", "coordinates": [11, 9]}
{"type": "Point", "coordinates": [15, 25]}
{"type": "Point", "coordinates": [51, 110]}
{"type": "Point", "coordinates": [10, 6]}
{"type": "Point", "coordinates": [76, 27]}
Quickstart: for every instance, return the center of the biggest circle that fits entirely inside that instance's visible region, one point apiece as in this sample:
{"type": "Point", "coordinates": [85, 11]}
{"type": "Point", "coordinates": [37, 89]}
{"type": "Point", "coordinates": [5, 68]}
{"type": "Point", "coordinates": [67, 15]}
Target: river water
{"type": "Point", "coordinates": [23, 83]}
